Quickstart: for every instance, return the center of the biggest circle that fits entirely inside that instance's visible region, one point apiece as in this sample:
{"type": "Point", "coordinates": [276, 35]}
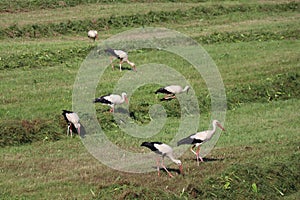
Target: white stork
{"type": "Point", "coordinates": [92, 34]}
{"type": "Point", "coordinates": [199, 138]}
{"type": "Point", "coordinates": [73, 122]}
{"type": "Point", "coordinates": [122, 56]}
{"type": "Point", "coordinates": [163, 150]}
{"type": "Point", "coordinates": [112, 100]}
{"type": "Point", "coordinates": [171, 91]}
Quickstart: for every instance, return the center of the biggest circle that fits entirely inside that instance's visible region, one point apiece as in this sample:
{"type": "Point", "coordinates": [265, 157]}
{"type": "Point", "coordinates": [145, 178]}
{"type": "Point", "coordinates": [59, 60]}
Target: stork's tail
{"type": "Point", "coordinates": [149, 145]}
{"type": "Point", "coordinates": [162, 90]}
{"type": "Point", "coordinates": [158, 91]}
{"type": "Point", "coordinates": [186, 140]}
{"type": "Point", "coordinates": [97, 100]}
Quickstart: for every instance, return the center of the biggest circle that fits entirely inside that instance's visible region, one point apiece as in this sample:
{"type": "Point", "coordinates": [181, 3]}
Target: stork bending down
{"type": "Point", "coordinates": [112, 100]}
{"type": "Point", "coordinates": [122, 56]}
{"type": "Point", "coordinates": [73, 122]}
{"type": "Point", "coordinates": [92, 34]}
{"type": "Point", "coordinates": [163, 150]}
{"type": "Point", "coordinates": [171, 90]}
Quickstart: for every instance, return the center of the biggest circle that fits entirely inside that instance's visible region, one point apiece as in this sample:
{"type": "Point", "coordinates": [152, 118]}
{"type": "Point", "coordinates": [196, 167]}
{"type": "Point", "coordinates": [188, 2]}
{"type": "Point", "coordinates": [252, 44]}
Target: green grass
{"type": "Point", "coordinates": [260, 140]}
{"type": "Point", "coordinates": [256, 48]}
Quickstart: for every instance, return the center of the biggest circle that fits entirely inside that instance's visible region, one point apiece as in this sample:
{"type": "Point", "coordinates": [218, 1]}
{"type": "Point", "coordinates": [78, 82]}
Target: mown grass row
{"type": "Point", "coordinates": [249, 181]}
{"type": "Point", "coordinates": [50, 57]}
{"type": "Point", "coordinates": [27, 5]}
{"type": "Point", "coordinates": [136, 20]}
{"type": "Point", "coordinates": [278, 87]}
{"type": "Point", "coordinates": [43, 58]}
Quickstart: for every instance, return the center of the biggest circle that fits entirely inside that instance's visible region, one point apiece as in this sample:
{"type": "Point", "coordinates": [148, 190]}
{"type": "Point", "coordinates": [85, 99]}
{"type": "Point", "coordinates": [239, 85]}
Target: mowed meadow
{"type": "Point", "coordinates": [256, 47]}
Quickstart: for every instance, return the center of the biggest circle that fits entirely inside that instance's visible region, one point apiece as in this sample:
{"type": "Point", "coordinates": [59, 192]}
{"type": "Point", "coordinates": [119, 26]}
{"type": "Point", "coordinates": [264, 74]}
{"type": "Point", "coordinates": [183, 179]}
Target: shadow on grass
{"type": "Point", "coordinates": [209, 159]}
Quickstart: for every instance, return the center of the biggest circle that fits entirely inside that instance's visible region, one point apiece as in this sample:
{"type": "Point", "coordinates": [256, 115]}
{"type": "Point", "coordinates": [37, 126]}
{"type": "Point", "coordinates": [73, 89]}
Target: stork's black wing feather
{"type": "Point", "coordinates": [163, 90]}
{"type": "Point", "coordinates": [64, 114]}
{"type": "Point", "coordinates": [112, 52]}
{"type": "Point", "coordinates": [189, 140]}
{"type": "Point", "coordinates": [102, 100]}
{"type": "Point", "coordinates": [150, 145]}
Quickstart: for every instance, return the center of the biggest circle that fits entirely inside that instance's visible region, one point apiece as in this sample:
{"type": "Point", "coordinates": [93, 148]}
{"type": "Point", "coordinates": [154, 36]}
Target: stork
{"type": "Point", "coordinates": [73, 122]}
{"type": "Point", "coordinates": [163, 150]}
{"type": "Point", "coordinates": [122, 56]}
{"type": "Point", "coordinates": [171, 90]}
{"type": "Point", "coordinates": [92, 34]}
{"type": "Point", "coordinates": [112, 100]}
{"type": "Point", "coordinates": [199, 138]}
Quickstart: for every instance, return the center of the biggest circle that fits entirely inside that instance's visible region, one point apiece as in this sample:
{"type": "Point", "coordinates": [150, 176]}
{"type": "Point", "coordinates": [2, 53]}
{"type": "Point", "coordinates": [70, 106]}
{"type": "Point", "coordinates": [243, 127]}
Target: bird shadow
{"type": "Point", "coordinates": [169, 169]}
{"type": "Point", "coordinates": [121, 110]}
{"type": "Point", "coordinates": [123, 68]}
{"type": "Point", "coordinates": [82, 132]}
{"type": "Point", "coordinates": [168, 99]}
{"type": "Point", "coordinates": [211, 159]}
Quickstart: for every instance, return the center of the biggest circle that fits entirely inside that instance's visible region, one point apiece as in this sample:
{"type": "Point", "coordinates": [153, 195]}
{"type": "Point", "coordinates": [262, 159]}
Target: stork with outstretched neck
{"type": "Point", "coordinates": [171, 91]}
{"type": "Point", "coordinates": [197, 139]}
{"type": "Point", "coordinates": [112, 100]}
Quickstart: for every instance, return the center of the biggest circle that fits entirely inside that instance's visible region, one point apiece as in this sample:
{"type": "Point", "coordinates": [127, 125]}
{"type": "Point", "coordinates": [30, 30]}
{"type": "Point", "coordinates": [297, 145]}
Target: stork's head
{"type": "Point", "coordinates": [218, 124]}
{"type": "Point", "coordinates": [132, 65]}
{"type": "Point", "coordinates": [77, 126]}
{"type": "Point", "coordinates": [187, 88]}
{"type": "Point", "coordinates": [124, 95]}
{"type": "Point", "coordinates": [178, 162]}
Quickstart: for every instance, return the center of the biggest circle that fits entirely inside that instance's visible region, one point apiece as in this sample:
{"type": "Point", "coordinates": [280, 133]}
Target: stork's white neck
{"type": "Point", "coordinates": [211, 132]}
{"type": "Point", "coordinates": [123, 97]}
{"type": "Point", "coordinates": [174, 160]}
{"type": "Point", "coordinates": [186, 88]}
{"type": "Point", "coordinates": [130, 63]}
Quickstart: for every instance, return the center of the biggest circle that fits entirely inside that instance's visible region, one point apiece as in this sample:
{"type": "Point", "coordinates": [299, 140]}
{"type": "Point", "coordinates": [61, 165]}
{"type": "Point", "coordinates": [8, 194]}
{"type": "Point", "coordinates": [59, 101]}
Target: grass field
{"type": "Point", "coordinates": [256, 47]}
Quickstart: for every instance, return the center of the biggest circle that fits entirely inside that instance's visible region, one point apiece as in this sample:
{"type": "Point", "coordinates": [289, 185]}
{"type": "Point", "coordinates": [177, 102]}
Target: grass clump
{"type": "Point", "coordinates": [277, 87]}
{"type": "Point", "coordinates": [18, 132]}
{"type": "Point", "coordinates": [254, 181]}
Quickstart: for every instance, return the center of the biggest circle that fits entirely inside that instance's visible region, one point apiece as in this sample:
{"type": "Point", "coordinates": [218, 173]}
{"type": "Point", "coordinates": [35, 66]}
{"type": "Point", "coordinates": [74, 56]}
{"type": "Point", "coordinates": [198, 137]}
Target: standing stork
{"type": "Point", "coordinates": [112, 100]}
{"type": "Point", "coordinates": [163, 150]}
{"type": "Point", "coordinates": [92, 34]}
{"type": "Point", "coordinates": [199, 138]}
{"type": "Point", "coordinates": [73, 122]}
{"type": "Point", "coordinates": [122, 56]}
{"type": "Point", "coordinates": [171, 90]}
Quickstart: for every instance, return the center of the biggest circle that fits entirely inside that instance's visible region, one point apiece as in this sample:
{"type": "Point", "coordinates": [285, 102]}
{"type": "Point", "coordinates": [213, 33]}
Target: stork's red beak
{"type": "Point", "coordinates": [221, 127]}
{"type": "Point", "coordinates": [181, 169]}
{"type": "Point", "coordinates": [78, 130]}
{"type": "Point", "coordinates": [126, 100]}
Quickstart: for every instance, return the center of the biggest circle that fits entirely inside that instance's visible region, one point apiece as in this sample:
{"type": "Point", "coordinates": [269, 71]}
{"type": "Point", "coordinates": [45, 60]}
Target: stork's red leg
{"type": "Point", "coordinates": [157, 164]}
{"type": "Point", "coordinates": [163, 165]}
{"type": "Point", "coordinates": [197, 156]}
{"type": "Point", "coordinates": [192, 149]}
{"type": "Point", "coordinates": [111, 62]}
